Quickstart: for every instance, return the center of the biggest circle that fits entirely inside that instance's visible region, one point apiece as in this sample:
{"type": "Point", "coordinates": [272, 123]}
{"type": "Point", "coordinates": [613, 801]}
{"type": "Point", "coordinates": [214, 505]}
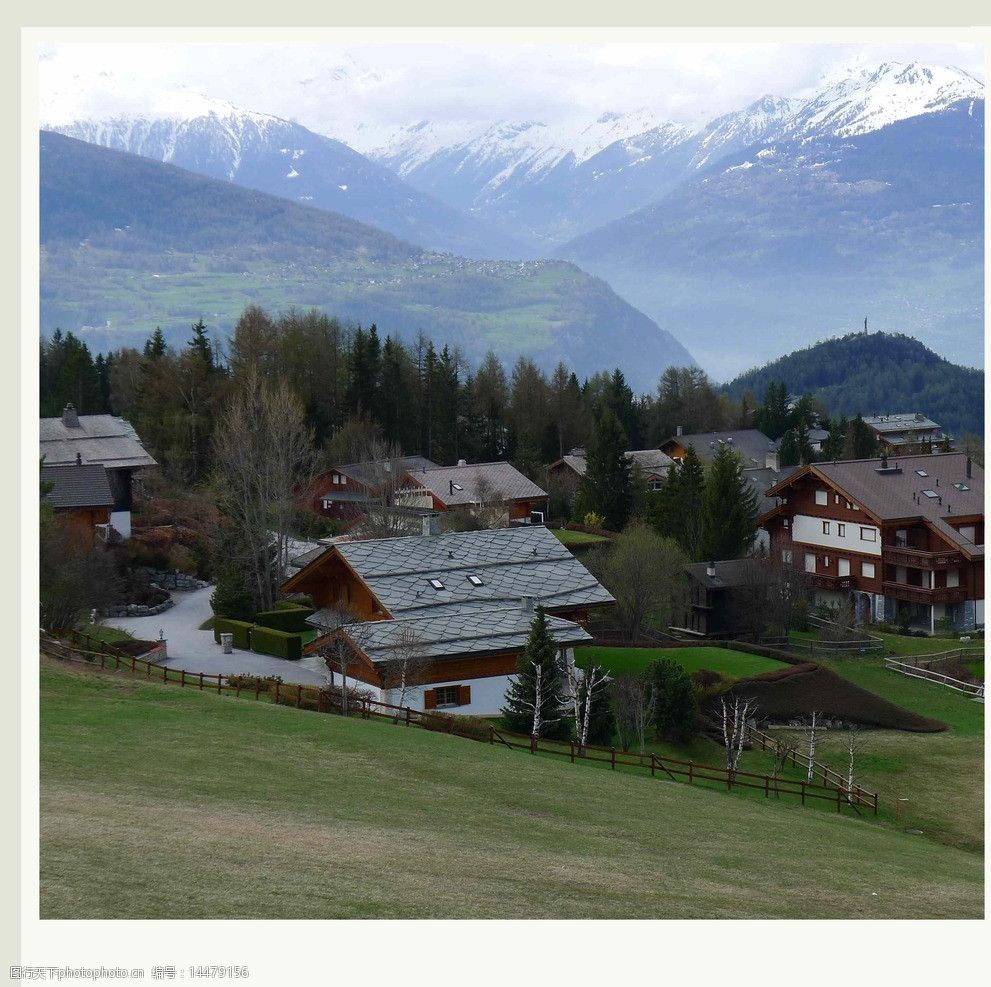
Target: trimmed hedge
{"type": "Point", "coordinates": [292, 620]}
{"type": "Point", "coordinates": [281, 644]}
{"type": "Point", "coordinates": [241, 629]}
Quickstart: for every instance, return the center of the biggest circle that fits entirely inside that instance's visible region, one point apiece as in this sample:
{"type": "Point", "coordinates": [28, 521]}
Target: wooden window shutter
{"type": "Point", "coordinates": [464, 695]}
{"type": "Point", "coordinates": [429, 698]}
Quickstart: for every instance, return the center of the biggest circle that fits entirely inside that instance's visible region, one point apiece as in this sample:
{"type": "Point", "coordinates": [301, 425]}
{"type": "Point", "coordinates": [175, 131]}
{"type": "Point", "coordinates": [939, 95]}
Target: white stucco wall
{"type": "Point", "coordinates": [808, 530]}
{"type": "Point", "coordinates": [487, 696]}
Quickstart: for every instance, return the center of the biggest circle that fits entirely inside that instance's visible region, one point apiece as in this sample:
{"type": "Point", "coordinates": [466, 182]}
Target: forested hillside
{"type": "Point", "coordinates": [877, 373]}
{"type": "Point", "coordinates": [129, 244]}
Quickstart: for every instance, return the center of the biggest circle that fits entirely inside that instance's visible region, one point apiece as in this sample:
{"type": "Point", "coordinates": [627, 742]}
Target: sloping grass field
{"type": "Point", "coordinates": [159, 802]}
{"type": "Point", "coordinates": [730, 664]}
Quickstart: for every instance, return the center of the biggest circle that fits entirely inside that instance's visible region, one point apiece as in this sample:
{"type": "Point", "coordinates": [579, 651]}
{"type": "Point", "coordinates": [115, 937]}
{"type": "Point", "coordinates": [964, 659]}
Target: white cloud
{"type": "Point", "coordinates": [334, 88]}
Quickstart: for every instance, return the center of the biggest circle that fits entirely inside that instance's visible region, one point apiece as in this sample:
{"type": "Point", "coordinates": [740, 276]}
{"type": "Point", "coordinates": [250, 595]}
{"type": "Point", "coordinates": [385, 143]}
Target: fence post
{"type": "Point", "coordinates": [220, 683]}
{"type": "Point", "coordinates": [491, 731]}
{"type": "Point", "coordinates": [571, 744]}
{"type": "Point", "coordinates": [407, 717]}
{"type": "Point", "coordinates": [276, 691]}
{"type": "Point", "coordinates": [839, 807]}
{"type": "Point", "coordinates": [533, 743]}
{"type": "Point", "coordinates": [652, 764]}
{"type": "Point", "coordinates": [612, 757]}
{"type": "Point", "coordinates": [691, 768]}
{"type": "Point", "coordinates": [767, 787]}
{"type": "Point", "coordinates": [182, 678]}
{"type": "Point", "coordinates": [102, 661]}
{"type": "Point", "coordinates": [875, 803]}
{"type": "Point", "coordinates": [803, 793]}
{"type": "Point", "coordinates": [258, 688]}
{"type": "Point", "coordinates": [133, 662]}
{"type": "Point", "coordinates": [201, 681]}
{"type": "Point", "coordinates": [165, 674]}
{"type": "Point", "coordinates": [299, 696]}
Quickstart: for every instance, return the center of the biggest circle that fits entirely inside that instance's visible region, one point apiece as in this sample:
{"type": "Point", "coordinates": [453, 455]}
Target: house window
{"type": "Point", "coordinates": [436, 583]}
{"type": "Point", "coordinates": [825, 527]}
{"type": "Point", "coordinates": [786, 555]}
{"type": "Point", "coordinates": [841, 530]}
{"type": "Point", "coordinates": [822, 497]}
{"type": "Point", "coordinates": [867, 570]}
{"type": "Point", "coordinates": [810, 562]}
{"type": "Point", "coordinates": [952, 578]}
{"type": "Point", "coordinates": [868, 534]}
{"type": "Point", "coordinates": [843, 567]}
{"type": "Point", "coordinates": [825, 562]}
{"type": "Point", "coordinates": [656, 484]}
{"type": "Point", "coordinates": [475, 580]}
{"type": "Point", "coordinates": [337, 478]}
{"type": "Point", "coordinates": [447, 695]}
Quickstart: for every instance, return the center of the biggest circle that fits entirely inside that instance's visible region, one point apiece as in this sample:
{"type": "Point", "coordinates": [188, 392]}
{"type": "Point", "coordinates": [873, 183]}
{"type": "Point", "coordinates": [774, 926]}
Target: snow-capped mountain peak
{"type": "Point", "coordinates": [868, 98]}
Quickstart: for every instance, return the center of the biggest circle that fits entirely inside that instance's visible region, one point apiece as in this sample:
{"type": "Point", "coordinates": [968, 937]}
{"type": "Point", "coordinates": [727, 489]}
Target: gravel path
{"type": "Point", "coordinates": [196, 651]}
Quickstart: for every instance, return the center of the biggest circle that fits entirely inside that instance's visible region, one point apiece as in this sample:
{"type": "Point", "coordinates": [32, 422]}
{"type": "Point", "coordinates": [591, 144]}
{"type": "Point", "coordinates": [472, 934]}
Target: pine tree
{"type": "Point", "coordinates": [607, 486]}
{"type": "Point", "coordinates": [201, 346]}
{"type": "Point", "coordinates": [518, 712]}
{"type": "Point", "coordinates": [231, 596]}
{"type": "Point", "coordinates": [676, 708]}
{"type": "Point", "coordinates": [772, 415]}
{"type": "Point", "coordinates": [155, 345]}
{"type": "Point", "coordinates": [729, 511]}
{"type": "Point", "coordinates": [678, 514]}
{"type": "Point", "coordinates": [859, 441]}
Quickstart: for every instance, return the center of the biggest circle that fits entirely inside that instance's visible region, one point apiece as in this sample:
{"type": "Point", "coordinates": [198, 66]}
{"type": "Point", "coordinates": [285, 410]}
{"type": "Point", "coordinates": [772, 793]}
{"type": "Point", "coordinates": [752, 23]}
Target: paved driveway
{"type": "Point", "coordinates": [196, 651]}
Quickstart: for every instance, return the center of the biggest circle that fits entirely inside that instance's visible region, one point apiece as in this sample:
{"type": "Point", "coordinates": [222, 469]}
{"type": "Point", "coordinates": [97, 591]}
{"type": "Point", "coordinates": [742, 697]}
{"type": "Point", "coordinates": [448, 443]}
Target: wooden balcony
{"type": "Point", "coordinates": [920, 594]}
{"type": "Point", "coordinates": [917, 559]}
{"type": "Point", "coordinates": [825, 581]}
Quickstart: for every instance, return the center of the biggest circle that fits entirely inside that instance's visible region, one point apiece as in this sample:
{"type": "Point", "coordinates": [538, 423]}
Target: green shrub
{"type": "Point", "coordinates": [292, 620]}
{"type": "Point", "coordinates": [466, 726]}
{"type": "Point", "coordinates": [252, 682]}
{"type": "Point", "coordinates": [297, 600]}
{"type": "Point", "coordinates": [231, 596]}
{"type": "Point", "coordinates": [281, 644]}
{"type": "Point", "coordinates": [676, 709]}
{"type": "Point", "coordinates": [241, 629]}
{"type": "Point", "coordinates": [303, 696]}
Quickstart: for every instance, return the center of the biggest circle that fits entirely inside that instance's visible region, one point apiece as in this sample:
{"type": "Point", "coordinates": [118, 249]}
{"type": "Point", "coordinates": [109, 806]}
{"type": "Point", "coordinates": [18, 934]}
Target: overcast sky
{"type": "Point", "coordinates": [331, 88]}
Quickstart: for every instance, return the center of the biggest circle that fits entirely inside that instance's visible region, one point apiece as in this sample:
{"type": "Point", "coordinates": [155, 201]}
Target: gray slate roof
{"type": "Point", "coordinates": [78, 486]}
{"type": "Point", "coordinates": [887, 424]}
{"type": "Point", "coordinates": [762, 480]}
{"type": "Point", "coordinates": [479, 482]}
{"type": "Point", "coordinates": [752, 444]}
{"type": "Point", "coordinates": [512, 563]}
{"type": "Point", "coordinates": [99, 439]}
{"type": "Point", "coordinates": [649, 460]}
{"type": "Point", "coordinates": [457, 634]}
{"type": "Point", "coordinates": [371, 474]}
{"type": "Point", "coordinates": [732, 572]}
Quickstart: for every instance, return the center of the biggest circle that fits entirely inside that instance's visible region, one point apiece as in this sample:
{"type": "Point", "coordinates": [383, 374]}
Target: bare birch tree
{"type": "Point", "coordinates": [856, 745]}
{"type": "Point", "coordinates": [388, 491]}
{"type": "Point", "coordinates": [340, 652]}
{"type": "Point", "coordinates": [734, 722]}
{"type": "Point", "coordinates": [634, 701]}
{"type": "Point", "coordinates": [811, 727]}
{"type": "Point", "coordinates": [409, 666]}
{"type": "Point", "coordinates": [264, 456]}
{"type": "Point", "coordinates": [583, 685]}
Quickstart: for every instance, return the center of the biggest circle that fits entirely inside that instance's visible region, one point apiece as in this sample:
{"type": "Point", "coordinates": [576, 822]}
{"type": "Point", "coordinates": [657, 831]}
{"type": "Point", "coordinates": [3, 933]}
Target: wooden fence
{"type": "Point", "coordinates": [674, 769]}
{"type": "Point", "coordinates": [922, 672]}
{"type": "Point", "coordinates": [89, 651]}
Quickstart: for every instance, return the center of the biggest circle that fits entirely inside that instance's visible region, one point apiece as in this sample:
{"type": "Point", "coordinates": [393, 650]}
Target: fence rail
{"type": "Point", "coordinates": [674, 768]}
{"type": "Point", "coordinates": [88, 650]}
{"type": "Point", "coordinates": [921, 672]}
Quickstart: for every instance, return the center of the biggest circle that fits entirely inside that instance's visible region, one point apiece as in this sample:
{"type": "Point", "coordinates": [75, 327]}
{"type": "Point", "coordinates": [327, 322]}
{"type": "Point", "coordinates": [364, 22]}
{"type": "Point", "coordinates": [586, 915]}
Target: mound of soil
{"type": "Point", "coordinates": [793, 692]}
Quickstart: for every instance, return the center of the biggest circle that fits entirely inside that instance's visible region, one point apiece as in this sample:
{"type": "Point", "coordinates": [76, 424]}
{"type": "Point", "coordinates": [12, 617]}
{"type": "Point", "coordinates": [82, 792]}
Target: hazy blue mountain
{"type": "Point", "coordinates": [794, 239]}
{"type": "Point", "coordinates": [266, 153]}
{"type": "Point", "coordinates": [877, 373]}
{"type": "Point", "coordinates": [129, 243]}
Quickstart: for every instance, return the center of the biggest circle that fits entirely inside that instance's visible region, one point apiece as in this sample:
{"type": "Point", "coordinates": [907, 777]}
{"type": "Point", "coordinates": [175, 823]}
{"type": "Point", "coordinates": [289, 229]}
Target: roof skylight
{"type": "Point", "coordinates": [931, 494]}
{"type": "Point", "coordinates": [921, 473]}
{"type": "Point", "coordinates": [475, 580]}
{"type": "Point", "coordinates": [456, 486]}
{"type": "Point", "coordinates": [961, 486]}
{"type": "Point", "coordinates": [436, 583]}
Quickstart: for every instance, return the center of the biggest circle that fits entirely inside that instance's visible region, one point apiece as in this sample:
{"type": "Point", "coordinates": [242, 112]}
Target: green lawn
{"type": "Point", "coordinates": [730, 664]}
{"type": "Point", "coordinates": [101, 632]}
{"type": "Point", "coordinates": [578, 537]}
{"type": "Point", "coordinates": [262, 811]}
{"type": "Point", "coordinates": [941, 774]}
{"type": "Point", "coordinates": [902, 644]}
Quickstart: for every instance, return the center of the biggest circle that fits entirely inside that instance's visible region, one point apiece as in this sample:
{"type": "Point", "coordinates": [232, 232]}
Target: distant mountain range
{"type": "Point", "coordinates": [268, 154]}
{"type": "Point", "coordinates": [129, 243]}
{"type": "Point", "coordinates": [877, 374]}
{"type": "Point", "coordinates": [788, 220]}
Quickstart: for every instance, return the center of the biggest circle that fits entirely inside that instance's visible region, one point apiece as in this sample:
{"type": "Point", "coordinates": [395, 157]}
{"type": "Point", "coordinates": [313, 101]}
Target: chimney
{"type": "Point", "coordinates": [528, 603]}
{"type": "Point", "coordinates": [431, 525]}
{"type": "Point", "coordinates": [884, 460]}
{"type": "Point", "coordinates": [771, 458]}
{"type": "Point", "coordinates": [450, 484]}
{"type": "Point", "coordinates": [69, 417]}
{"type": "Point", "coordinates": [969, 471]}
{"type": "Point", "coordinates": [462, 462]}
{"type": "Point", "coordinates": [681, 431]}
{"type": "Point", "coordinates": [710, 570]}
{"type": "Point", "coordinates": [79, 459]}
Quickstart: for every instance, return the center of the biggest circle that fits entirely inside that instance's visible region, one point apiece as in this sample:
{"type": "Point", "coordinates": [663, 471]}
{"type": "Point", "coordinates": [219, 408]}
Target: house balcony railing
{"type": "Point", "coordinates": [922, 594]}
{"type": "Point", "coordinates": [916, 558]}
{"type": "Point", "coordinates": [825, 581]}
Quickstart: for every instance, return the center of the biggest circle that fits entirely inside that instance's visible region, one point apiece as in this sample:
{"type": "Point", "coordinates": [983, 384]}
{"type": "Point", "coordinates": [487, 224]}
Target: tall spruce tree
{"type": "Point", "coordinates": [201, 346]}
{"type": "Point", "coordinates": [607, 486]}
{"type": "Point", "coordinates": [678, 514]}
{"type": "Point", "coordinates": [859, 441]}
{"type": "Point", "coordinates": [518, 713]}
{"type": "Point", "coordinates": [729, 510]}
{"type": "Point", "coordinates": [772, 415]}
{"type": "Point", "coordinates": [155, 344]}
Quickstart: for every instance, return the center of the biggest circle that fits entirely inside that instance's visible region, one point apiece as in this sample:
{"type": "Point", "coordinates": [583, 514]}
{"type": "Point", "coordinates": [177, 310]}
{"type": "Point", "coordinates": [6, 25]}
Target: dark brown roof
{"type": "Point", "coordinates": [78, 486]}
{"type": "Point", "coordinates": [897, 493]}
